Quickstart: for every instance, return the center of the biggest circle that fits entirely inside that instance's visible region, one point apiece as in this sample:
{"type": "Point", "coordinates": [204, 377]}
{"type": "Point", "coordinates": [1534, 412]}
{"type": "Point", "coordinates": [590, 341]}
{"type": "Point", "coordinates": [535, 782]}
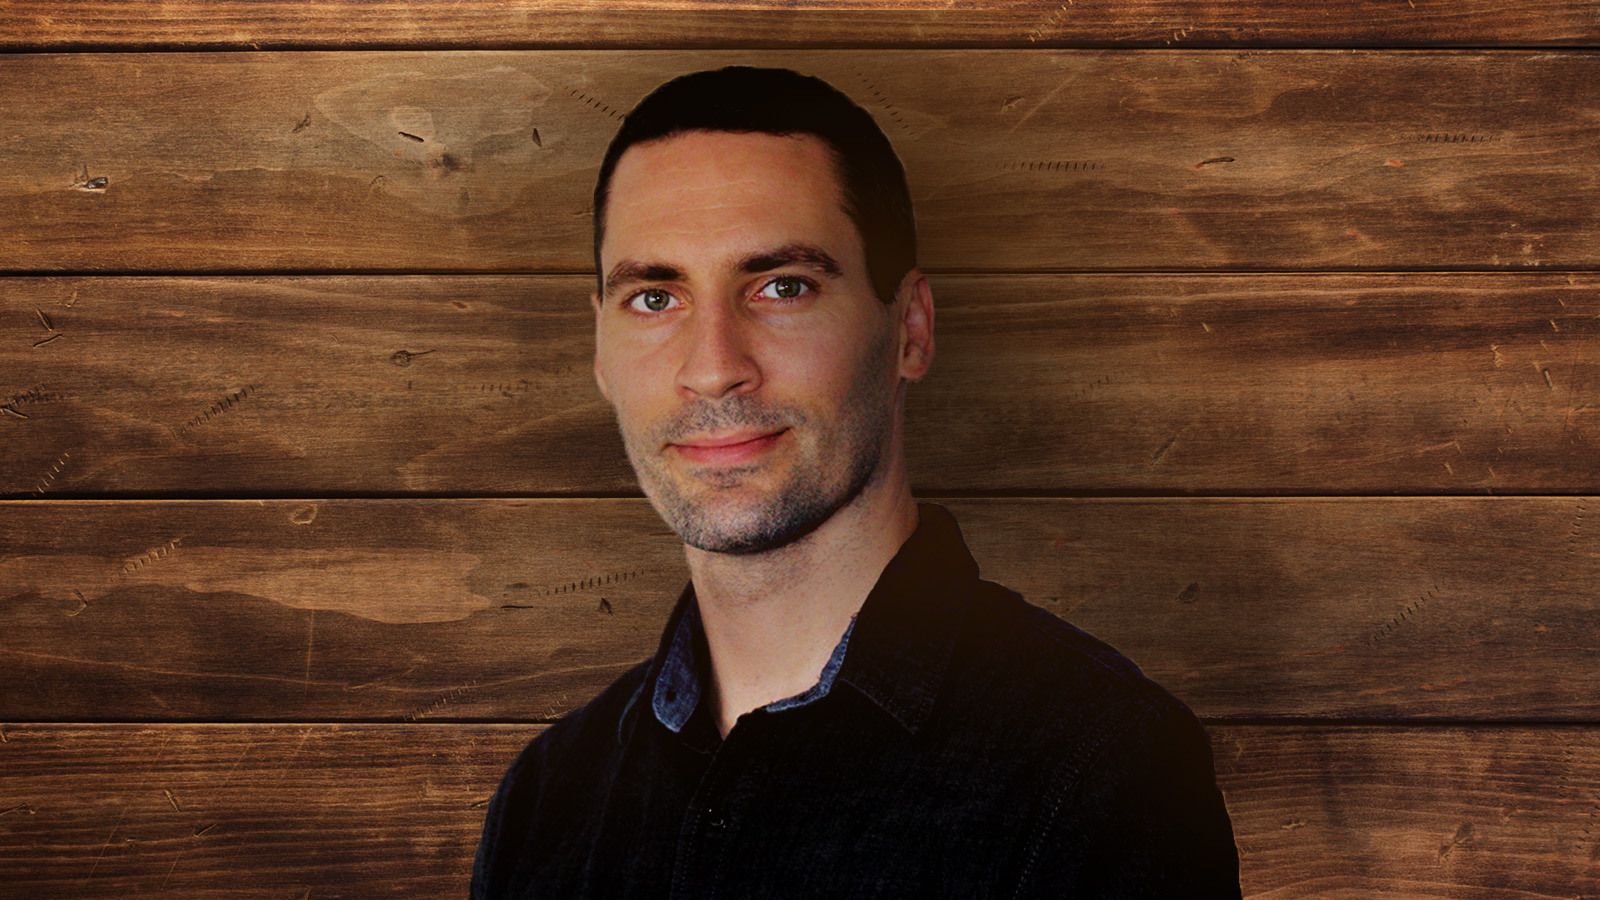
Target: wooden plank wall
{"type": "Point", "coordinates": [1269, 346]}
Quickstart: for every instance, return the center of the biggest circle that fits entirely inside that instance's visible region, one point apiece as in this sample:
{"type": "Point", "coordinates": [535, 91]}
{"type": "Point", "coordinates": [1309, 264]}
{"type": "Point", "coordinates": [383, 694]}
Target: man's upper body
{"type": "Point", "coordinates": [758, 317]}
{"type": "Point", "coordinates": [960, 743]}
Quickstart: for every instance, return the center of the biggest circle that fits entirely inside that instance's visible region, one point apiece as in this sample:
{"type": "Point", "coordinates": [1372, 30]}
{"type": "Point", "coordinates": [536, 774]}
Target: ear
{"type": "Point", "coordinates": [599, 379]}
{"type": "Point", "coordinates": [916, 325]}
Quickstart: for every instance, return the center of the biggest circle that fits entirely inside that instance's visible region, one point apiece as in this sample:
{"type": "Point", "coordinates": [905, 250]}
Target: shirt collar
{"type": "Point", "coordinates": [677, 690]}
{"type": "Point", "coordinates": [900, 642]}
{"type": "Point", "coordinates": [669, 635]}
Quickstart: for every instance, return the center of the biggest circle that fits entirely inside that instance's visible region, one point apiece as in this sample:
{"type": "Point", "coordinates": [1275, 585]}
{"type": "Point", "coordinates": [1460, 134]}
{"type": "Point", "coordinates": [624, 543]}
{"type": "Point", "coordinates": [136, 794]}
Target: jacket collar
{"type": "Point", "coordinates": [901, 640]}
{"type": "Point", "coordinates": [907, 628]}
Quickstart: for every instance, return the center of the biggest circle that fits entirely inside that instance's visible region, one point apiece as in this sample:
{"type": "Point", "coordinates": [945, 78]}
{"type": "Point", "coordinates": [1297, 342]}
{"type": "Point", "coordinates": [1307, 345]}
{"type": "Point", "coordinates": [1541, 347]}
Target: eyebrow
{"type": "Point", "coordinates": [795, 253]}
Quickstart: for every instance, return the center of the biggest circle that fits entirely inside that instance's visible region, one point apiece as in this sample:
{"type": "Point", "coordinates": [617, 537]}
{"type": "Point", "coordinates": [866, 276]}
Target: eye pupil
{"type": "Point", "coordinates": [788, 287]}
{"type": "Point", "coordinates": [655, 300]}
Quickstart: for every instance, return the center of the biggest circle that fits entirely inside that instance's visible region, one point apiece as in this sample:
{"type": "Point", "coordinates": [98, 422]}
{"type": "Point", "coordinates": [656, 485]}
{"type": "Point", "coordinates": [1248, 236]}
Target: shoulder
{"type": "Point", "coordinates": [1129, 800]}
{"type": "Point", "coordinates": [1049, 678]}
{"type": "Point", "coordinates": [586, 728]}
{"type": "Point", "coordinates": [576, 742]}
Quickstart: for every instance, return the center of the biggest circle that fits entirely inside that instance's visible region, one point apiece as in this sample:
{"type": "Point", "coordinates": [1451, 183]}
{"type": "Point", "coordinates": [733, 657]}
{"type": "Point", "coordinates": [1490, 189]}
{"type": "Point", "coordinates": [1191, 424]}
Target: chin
{"type": "Point", "coordinates": [742, 543]}
{"type": "Point", "coordinates": [720, 524]}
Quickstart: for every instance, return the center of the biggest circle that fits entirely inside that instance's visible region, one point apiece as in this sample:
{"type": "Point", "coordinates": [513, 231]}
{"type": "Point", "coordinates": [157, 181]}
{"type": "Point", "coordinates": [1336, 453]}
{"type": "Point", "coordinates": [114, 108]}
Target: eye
{"type": "Point", "coordinates": [789, 287]}
{"type": "Point", "coordinates": [654, 300]}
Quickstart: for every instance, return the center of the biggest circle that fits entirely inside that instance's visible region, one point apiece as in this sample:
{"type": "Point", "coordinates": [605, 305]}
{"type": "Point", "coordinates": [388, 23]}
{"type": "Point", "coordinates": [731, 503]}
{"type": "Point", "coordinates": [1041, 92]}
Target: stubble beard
{"type": "Point", "coordinates": [710, 518]}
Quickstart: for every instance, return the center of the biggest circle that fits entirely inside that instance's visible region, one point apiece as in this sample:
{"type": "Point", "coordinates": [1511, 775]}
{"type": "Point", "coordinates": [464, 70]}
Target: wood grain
{"type": "Point", "coordinates": [146, 24]}
{"type": "Point", "coordinates": [1413, 812]}
{"type": "Point", "coordinates": [394, 811]}
{"type": "Point", "coordinates": [1470, 608]}
{"type": "Point", "coordinates": [246, 811]}
{"type": "Point", "coordinates": [1098, 384]}
{"type": "Point", "coordinates": [479, 161]}
{"type": "Point", "coordinates": [304, 386]}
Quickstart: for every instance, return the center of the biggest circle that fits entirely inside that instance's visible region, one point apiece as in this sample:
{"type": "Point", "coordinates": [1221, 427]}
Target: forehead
{"type": "Point", "coordinates": [724, 193]}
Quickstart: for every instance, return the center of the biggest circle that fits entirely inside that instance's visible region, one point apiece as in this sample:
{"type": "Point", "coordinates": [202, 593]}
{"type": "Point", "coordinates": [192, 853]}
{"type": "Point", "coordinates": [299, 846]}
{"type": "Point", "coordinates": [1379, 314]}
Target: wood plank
{"type": "Point", "coordinates": [1110, 159]}
{"type": "Point", "coordinates": [1099, 384]}
{"type": "Point", "coordinates": [1466, 608]}
{"type": "Point", "coordinates": [304, 386]}
{"type": "Point", "coordinates": [1347, 812]}
{"type": "Point", "coordinates": [143, 24]}
{"type": "Point", "coordinates": [246, 811]}
{"type": "Point", "coordinates": [303, 610]}
{"type": "Point", "coordinates": [394, 811]}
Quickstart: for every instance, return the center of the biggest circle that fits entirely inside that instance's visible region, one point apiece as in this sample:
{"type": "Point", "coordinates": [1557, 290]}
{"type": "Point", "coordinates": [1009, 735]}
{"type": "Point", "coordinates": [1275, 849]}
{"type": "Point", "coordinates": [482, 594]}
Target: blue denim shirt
{"type": "Point", "coordinates": [968, 744]}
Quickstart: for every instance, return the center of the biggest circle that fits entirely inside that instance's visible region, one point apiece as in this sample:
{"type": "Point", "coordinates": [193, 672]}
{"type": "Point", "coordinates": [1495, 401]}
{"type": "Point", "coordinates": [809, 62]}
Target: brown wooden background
{"type": "Point", "coordinates": [1269, 348]}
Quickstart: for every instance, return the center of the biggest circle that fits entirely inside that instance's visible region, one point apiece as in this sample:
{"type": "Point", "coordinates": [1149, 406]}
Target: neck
{"type": "Point", "coordinates": [772, 619]}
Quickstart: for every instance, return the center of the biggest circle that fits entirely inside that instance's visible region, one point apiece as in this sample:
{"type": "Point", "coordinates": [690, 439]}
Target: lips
{"type": "Point", "coordinates": [728, 449]}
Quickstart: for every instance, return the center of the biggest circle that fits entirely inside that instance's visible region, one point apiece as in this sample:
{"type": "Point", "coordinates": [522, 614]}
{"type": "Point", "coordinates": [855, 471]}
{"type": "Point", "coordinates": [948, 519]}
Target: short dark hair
{"type": "Point", "coordinates": [784, 102]}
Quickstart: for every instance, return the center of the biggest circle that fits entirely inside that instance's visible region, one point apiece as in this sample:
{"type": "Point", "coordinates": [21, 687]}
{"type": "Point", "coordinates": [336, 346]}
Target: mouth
{"type": "Point", "coordinates": [729, 449]}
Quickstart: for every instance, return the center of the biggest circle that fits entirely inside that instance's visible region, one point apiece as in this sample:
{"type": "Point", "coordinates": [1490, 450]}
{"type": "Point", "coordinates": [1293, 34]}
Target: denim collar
{"type": "Point", "coordinates": [900, 641]}
{"type": "Point", "coordinates": [678, 682]}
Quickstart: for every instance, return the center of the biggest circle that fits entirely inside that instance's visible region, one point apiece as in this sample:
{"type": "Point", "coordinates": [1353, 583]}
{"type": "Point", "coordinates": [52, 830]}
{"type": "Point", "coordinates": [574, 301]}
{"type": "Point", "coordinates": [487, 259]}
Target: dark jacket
{"type": "Point", "coordinates": [969, 745]}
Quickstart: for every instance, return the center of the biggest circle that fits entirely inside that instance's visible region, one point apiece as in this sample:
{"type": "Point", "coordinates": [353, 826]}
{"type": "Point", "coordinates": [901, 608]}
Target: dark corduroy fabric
{"type": "Point", "coordinates": [971, 745]}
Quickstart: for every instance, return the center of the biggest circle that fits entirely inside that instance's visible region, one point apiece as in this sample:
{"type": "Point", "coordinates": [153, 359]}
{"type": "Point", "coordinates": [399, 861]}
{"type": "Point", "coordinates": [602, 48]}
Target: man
{"type": "Point", "coordinates": [839, 706]}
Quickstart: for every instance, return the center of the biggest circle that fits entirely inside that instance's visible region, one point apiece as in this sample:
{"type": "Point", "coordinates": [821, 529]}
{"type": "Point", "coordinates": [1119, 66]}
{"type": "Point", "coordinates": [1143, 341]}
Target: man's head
{"type": "Point", "coordinates": [753, 345]}
{"type": "Point", "coordinates": [779, 101]}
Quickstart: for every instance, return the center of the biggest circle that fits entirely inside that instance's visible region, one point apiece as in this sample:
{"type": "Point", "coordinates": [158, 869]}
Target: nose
{"type": "Point", "coordinates": [718, 359]}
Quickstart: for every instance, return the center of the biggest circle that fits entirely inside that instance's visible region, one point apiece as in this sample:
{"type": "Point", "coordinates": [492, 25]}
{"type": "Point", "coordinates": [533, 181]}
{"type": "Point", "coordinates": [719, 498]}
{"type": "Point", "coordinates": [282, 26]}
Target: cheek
{"type": "Point", "coordinates": [632, 373]}
{"type": "Point", "coordinates": [838, 371]}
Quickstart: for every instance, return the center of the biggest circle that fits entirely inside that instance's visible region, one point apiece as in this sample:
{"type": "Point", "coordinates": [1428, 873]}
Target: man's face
{"type": "Point", "coordinates": [752, 369]}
